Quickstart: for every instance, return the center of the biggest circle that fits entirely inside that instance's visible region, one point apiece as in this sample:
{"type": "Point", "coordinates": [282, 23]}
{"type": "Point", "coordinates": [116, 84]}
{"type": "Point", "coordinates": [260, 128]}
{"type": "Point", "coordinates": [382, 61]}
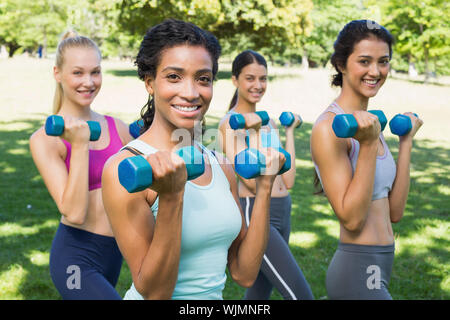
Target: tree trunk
{"type": "Point", "coordinates": [427, 71]}
{"type": "Point", "coordinates": [12, 47]}
{"type": "Point", "coordinates": [44, 49]}
{"type": "Point", "coordinates": [305, 63]}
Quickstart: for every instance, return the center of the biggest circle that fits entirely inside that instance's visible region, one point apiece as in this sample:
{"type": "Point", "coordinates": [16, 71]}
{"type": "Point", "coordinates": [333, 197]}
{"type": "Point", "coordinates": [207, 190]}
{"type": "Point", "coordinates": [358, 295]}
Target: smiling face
{"type": "Point", "coordinates": [183, 86]}
{"type": "Point", "coordinates": [80, 76]}
{"type": "Point", "coordinates": [251, 83]}
{"type": "Point", "coordinates": [367, 68]}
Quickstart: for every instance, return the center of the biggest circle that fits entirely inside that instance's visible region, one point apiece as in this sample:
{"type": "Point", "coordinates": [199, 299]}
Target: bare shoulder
{"type": "Point", "coordinates": [112, 164]}
{"type": "Point", "coordinates": [40, 141]}
{"type": "Point", "coordinates": [224, 122]}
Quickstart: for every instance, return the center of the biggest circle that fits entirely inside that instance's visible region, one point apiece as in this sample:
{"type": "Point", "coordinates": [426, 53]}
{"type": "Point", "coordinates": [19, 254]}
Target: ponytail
{"type": "Point", "coordinates": [147, 114]}
{"type": "Point", "coordinates": [233, 100]}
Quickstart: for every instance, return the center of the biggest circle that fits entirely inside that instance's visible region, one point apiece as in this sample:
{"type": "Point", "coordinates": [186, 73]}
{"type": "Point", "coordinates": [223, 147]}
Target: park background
{"type": "Point", "coordinates": [297, 37]}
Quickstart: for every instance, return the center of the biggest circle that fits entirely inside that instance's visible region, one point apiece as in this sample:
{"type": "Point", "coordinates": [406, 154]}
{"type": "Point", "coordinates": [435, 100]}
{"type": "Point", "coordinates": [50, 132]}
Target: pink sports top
{"type": "Point", "coordinates": [97, 158]}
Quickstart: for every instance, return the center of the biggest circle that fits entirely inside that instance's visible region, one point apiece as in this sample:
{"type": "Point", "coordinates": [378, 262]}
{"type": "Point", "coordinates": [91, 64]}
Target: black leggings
{"type": "Point", "coordinates": [278, 268]}
{"type": "Point", "coordinates": [84, 265]}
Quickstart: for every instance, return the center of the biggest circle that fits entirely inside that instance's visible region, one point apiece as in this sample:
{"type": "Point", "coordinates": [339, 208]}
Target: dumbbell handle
{"type": "Point", "coordinates": [401, 124]}
{"type": "Point", "coordinates": [237, 120]}
{"type": "Point", "coordinates": [346, 126]}
{"type": "Point", "coordinates": [135, 173]}
{"type": "Point", "coordinates": [250, 162]}
{"type": "Point", "coordinates": [287, 118]}
{"type": "Point", "coordinates": [54, 126]}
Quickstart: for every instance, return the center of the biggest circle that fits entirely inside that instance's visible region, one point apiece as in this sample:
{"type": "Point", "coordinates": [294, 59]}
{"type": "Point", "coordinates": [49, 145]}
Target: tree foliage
{"type": "Point", "coordinates": [421, 29]}
{"type": "Point", "coordinates": [283, 30]}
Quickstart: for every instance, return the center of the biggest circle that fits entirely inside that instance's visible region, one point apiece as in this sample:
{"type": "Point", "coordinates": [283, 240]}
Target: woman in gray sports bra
{"type": "Point", "coordinates": [365, 187]}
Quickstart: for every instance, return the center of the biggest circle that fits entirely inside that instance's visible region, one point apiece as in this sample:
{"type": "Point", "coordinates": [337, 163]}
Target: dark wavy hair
{"type": "Point", "coordinates": [242, 60]}
{"type": "Point", "coordinates": [352, 33]}
{"type": "Point", "coordinates": [168, 34]}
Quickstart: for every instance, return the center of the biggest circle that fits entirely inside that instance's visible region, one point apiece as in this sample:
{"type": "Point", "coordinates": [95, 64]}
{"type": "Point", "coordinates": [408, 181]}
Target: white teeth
{"type": "Point", "coordinates": [370, 81]}
{"type": "Point", "coordinates": [186, 109]}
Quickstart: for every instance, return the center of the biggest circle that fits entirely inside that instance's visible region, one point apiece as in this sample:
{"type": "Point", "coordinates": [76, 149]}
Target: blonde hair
{"type": "Point", "coordinates": [70, 39]}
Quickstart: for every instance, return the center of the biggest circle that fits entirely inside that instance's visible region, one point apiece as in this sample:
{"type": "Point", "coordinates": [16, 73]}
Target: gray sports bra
{"type": "Point", "coordinates": [385, 171]}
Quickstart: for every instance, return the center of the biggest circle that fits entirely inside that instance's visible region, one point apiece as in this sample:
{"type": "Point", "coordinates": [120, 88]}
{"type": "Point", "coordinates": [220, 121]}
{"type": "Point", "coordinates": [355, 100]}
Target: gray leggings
{"type": "Point", "coordinates": [278, 267]}
{"type": "Point", "coordinates": [360, 272]}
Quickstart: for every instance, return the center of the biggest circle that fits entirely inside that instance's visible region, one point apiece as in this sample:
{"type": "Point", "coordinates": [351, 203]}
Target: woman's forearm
{"type": "Point", "coordinates": [74, 201]}
{"type": "Point", "coordinates": [159, 269]}
{"type": "Point", "coordinates": [289, 176]}
{"type": "Point", "coordinates": [400, 188]}
{"type": "Point", "coordinates": [253, 246]}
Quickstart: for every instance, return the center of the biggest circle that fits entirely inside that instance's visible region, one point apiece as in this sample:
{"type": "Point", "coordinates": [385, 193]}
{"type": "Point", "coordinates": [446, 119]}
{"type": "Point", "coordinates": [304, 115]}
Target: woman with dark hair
{"type": "Point", "coordinates": [85, 260]}
{"type": "Point", "coordinates": [365, 187]}
{"type": "Point", "coordinates": [278, 268]}
{"type": "Point", "coordinates": [174, 236]}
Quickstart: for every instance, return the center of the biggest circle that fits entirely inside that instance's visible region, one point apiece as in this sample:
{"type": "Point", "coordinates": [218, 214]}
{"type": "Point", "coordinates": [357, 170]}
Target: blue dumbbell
{"type": "Point", "coordinates": [286, 119]}
{"type": "Point", "coordinates": [237, 121]}
{"type": "Point", "coordinates": [250, 163]}
{"type": "Point", "coordinates": [400, 125]}
{"type": "Point", "coordinates": [345, 125]}
{"type": "Point", "coordinates": [54, 126]}
{"type": "Point", "coordinates": [135, 128]}
{"type": "Point", "coordinates": [135, 173]}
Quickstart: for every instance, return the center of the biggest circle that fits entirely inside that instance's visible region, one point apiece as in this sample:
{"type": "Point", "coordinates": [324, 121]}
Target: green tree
{"type": "Point", "coordinates": [30, 23]}
{"type": "Point", "coordinates": [239, 24]}
{"type": "Point", "coordinates": [421, 29]}
{"type": "Point", "coordinates": [328, 18]}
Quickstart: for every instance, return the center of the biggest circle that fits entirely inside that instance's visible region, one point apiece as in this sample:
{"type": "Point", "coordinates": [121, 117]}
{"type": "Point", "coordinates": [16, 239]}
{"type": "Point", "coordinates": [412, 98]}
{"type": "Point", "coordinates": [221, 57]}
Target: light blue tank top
{"type": "Point", "coordinates": [211, 222]}
{"type": "Point", "coordinates": [269, 138]}
{"type": "Point", "coordinates": [385, 170]}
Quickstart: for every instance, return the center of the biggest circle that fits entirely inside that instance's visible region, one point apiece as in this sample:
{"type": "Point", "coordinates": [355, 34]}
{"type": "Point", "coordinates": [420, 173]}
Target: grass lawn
{"type": "Point", "coordinates": [29, 217]}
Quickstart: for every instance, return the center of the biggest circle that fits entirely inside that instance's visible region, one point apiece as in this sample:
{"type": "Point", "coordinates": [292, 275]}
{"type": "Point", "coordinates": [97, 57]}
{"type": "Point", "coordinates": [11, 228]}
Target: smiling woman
{"type": "Point", "coordinates": [71, 168]}
{"type": "Point", "coordinates": [173, 234]}
{"type": "Point", "coordinates": [366, 188]}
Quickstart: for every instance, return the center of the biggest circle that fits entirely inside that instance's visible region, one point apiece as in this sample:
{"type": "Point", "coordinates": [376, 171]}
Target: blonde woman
{"type": "Point", "coordinates": [85, 261]}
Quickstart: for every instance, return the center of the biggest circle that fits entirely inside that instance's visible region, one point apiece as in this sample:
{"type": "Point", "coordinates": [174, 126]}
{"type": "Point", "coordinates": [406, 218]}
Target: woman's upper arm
{"type": "Point", "coordinates": [47, 158]}
{"type": "Point", "coordinates": [129, 214]}
{"type": "Point", "coordinates": [330, 155]}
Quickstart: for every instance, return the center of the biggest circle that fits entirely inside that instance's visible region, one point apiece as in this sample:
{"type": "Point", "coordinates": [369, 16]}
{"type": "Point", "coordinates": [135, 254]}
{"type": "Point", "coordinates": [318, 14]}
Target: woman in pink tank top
{"type": "Point", "coordinates": [85, 261]}
{"type": "Point", "coordinates": [365, 187]}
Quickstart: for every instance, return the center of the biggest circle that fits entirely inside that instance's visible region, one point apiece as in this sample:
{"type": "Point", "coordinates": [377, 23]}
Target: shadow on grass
{"type": "Point", "coordinates": [418, 273]}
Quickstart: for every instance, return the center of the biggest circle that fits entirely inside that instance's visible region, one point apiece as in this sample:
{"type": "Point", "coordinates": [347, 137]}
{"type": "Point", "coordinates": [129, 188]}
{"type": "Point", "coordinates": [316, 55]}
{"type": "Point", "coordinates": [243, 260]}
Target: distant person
{"type": "Point", "coordinates": [85, 260]}
{"type": "Point", "coordinates": [366, 188]}
{"type": "Point", "coordinates": [39, 51]}
{"type": "Point", "coordinates": [178, 236]}
{"type": "Point", "coordinates": [279, 267]}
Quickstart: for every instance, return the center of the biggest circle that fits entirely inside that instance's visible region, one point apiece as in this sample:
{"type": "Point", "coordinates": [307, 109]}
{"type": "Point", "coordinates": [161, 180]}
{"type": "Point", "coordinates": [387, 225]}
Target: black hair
{"type": "Point", "coordinates": [168, 34]}
{"type": "Point", "coordinates": [242, 60]}
{"type": "Point", "coordinates": [352, 33]}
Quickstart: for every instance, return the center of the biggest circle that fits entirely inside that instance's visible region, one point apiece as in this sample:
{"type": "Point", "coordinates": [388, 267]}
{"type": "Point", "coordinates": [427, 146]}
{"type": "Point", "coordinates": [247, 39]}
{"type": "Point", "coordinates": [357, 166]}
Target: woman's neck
{"type": "Point", "coordinates": [162, 135]}
{"type": "Point", "coordinates": [349, 101]}
{"type": "Point", "coordinates": [243, 106]}
{"type": "Point", "coordinates": [81, 112]}
{"type": "Point", "coordinates": [352, 103]}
